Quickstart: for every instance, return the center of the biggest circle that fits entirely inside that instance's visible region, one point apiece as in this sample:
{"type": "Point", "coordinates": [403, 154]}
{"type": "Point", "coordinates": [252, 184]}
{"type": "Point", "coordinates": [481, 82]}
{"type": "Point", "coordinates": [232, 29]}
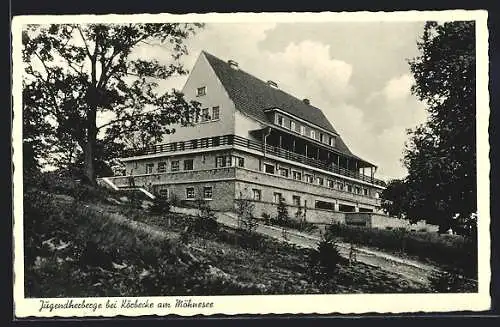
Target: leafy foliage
{"type": "Point", "coordinates": [441, 154]}
{"type": "Point", "coordinates": [394, 198]}
{"type": "Point", "coordinates": [282, 210]}
{"type": "Point", "coordinates": [161, 205]}
{"type": "Point", "coordinates": [244, 209]}
{"type": "Point", "coordinates": [451, 282]}
{"type": "Point", "coordinates": [206, 221]}
{"type": "Point", "coordinates": [75, 72]}
{"type": "Point", "coordinates": [449, 250]}
{"type": "Point", "coordinates": [324, 262]}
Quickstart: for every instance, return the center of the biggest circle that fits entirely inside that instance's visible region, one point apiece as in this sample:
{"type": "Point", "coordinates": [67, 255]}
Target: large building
{"type": "Point", "coordinates": [255, 141]}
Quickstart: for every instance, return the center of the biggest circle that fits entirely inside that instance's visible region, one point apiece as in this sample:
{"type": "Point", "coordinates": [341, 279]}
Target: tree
{"type": "Point", "coordinates": [75, 72]}
{"type": "Point", "coordinates": [244, 209]}
{"type": "Point", "coordinates": [394, 198]}
{"type": "Point", "coordinates": [441, 154]}
{"type": "Point", "coordinates": [282, 211]}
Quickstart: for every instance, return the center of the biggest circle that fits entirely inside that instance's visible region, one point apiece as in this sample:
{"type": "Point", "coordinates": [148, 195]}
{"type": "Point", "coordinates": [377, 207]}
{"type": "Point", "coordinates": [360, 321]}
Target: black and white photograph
{"type": "Point", "coordinates": [221, 163]}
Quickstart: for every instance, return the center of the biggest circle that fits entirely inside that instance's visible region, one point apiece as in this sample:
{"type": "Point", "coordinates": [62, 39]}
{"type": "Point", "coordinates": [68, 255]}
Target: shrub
{"type": "Point", "coordinates": [206, 221]}
{"type": "Point", "coordinates": [448, 282]}
{"type": "Point", "coordinates": [244, 210]}
{"type": "Point", "coordinates": [282, 211]}
{"type": "Point", "coordinates": [455, 251]}
{"type": "Point", "coordinates": [160, 205]}
{"type": "Point", "coordinates": [267, 218]}
{"type": "Point", "coordinates": [323, 263]}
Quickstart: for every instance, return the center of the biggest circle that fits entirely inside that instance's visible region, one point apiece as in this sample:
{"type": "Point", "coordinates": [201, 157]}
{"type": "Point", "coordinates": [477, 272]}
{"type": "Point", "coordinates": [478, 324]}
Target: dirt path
{"type": "Point", "coordinates": [409, 269]}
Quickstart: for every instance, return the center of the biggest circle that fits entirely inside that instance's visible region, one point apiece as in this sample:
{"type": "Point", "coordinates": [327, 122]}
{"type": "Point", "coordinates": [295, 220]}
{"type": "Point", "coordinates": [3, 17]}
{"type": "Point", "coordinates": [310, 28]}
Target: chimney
{"type": "Point", "coordinates": [272, 84]}
{"type": "Point", "coordinates": [306, 101]}
{"type": "Point", "coordinates": [233, 64]}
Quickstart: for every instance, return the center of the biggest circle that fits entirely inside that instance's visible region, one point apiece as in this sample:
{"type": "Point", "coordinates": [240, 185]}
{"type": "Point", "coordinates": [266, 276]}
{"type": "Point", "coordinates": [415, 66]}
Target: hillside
{"type": "Point", "coordinates": [81, 242]}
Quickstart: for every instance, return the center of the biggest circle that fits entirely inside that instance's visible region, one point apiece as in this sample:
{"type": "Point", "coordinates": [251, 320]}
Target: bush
{"type": "Point", "coordinates": [449, 282]}
{"type": "Point", "coordinates": [244, 210]}
{"type": "Point", "coordinates": [302, 225]}
{"type": "Point", "coordinates": [282, 211]}
{"type": "Point", "coordinates": [206, 221]}
{"type": "Point", "coordinates": [160, 205]}
{"type": "Point", "coordinates": [267, 218]}
{"type": "Point", "coordinates": [323, 264]}
{"type": "Point", "coordinates": [455, 251]}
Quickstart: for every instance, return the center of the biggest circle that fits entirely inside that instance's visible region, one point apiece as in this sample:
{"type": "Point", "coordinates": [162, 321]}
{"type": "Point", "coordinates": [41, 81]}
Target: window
{"type": "Point", "coordinates": [365, 191]}
{"type": "Point", "coordinates": [340, 186]}
{"type": "Point", "coordinates": [332, 141]}
{"type": "Point", "coordinates": [207, 192]}
{"type": "Point", "coordinates": [283, 172]}
{"type": "Point", "coordinates": [215, 113]}
{"type": "Point", "coordinates": [319, 180]}
{"type": "Point", "coordinates": [349, 188]}
{"type": "Point", "coordinates": [269, 168]}
{"type": "Point", "coordinates": [163, 192]}
{"type": "Point", "coordinates": [162, 167]}
{"type": "Point", "coordinates": [188, 164]}
{"type": "Point", "coordinates": [297, 175]}
{"type": "Point", "coordinates": [149, 168]}
{"type": "Point", "coordinates": [330, 183]}
{"type": "Point", "coordinates": [174, 165]}
{"type": "Point", "coordinates": [281, 120]}
{"type": "Point", "coordinates": [357, 190]}
{"type": "Point", "coordinates": [240, 162]}
{"type": "Point", "coordinates": [256, 194]}
{"type": "Point", "coordinates": [296, 200]}
{"type": "Point", "coordinates": [204, 115]}
{"type": "Point", "coordinates": [190, 193]}
{"type": "Point", "coordinates": [302, 129]}
{"type": "Point", "coordinates": [377, 195]}
{"type": "Point", "coordinates": [321, 137]}
{"type": "Point", "coordinates": [201, 91]}
{"type": "Point", "coordinates": [223, 161]}
{"type": "Point", "coordinates": [276, 197]}
{"type": "Point", "coordinates": [292, 125]}
{"type": "Point", "coordinates": [309, 178]}
{"type": "Point", "coordinates": [313, 134]}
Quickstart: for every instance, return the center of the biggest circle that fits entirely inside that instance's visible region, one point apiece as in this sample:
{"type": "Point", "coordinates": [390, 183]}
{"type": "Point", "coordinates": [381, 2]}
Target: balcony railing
{"type": "Point", "coordinates": [230, 139]}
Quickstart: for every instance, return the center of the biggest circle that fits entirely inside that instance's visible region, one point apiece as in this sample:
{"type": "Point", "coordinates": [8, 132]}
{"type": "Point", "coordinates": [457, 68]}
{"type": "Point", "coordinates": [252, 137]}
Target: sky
{"type": "Point", "coordinates": [356, 72]}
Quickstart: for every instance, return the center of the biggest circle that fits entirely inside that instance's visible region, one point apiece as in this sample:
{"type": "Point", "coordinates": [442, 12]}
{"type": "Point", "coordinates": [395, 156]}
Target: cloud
{"type": "Point", "coordinates": [399, 87]}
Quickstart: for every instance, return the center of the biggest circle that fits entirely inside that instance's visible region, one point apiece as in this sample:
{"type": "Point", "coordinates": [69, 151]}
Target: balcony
{"type": "Point", "coordinates": [235, 140]}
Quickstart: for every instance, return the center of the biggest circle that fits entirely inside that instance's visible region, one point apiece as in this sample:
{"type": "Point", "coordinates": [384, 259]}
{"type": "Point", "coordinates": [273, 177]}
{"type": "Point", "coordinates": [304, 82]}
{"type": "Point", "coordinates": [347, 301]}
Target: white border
{"type": "Point", "coordinates": [325, 304]}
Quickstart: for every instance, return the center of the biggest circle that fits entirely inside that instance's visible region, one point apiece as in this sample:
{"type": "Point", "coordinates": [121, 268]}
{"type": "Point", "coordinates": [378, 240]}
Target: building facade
{"type": "Point", "coordinates": [255, 141]}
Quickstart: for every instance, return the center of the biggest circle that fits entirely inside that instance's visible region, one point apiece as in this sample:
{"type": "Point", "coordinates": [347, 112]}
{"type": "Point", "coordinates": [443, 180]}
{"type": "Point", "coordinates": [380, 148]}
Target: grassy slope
{"type": "Point", "coordinates": [73, 248]}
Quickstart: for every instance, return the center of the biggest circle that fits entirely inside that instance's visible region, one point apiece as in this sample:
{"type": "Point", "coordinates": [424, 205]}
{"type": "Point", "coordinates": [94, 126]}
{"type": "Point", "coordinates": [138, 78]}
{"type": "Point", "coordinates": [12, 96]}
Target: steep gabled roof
{"type": "Point", "coordinates": [252, 96]}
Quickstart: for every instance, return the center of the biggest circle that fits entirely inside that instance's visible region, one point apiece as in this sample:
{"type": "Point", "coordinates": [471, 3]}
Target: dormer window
{"type": "Point", "coordinates": [201, 91]}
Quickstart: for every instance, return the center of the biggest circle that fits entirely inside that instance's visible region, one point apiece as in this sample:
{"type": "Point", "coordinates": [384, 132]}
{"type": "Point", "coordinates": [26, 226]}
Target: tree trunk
{"type": "Point", "coordinates": [90, 147]}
